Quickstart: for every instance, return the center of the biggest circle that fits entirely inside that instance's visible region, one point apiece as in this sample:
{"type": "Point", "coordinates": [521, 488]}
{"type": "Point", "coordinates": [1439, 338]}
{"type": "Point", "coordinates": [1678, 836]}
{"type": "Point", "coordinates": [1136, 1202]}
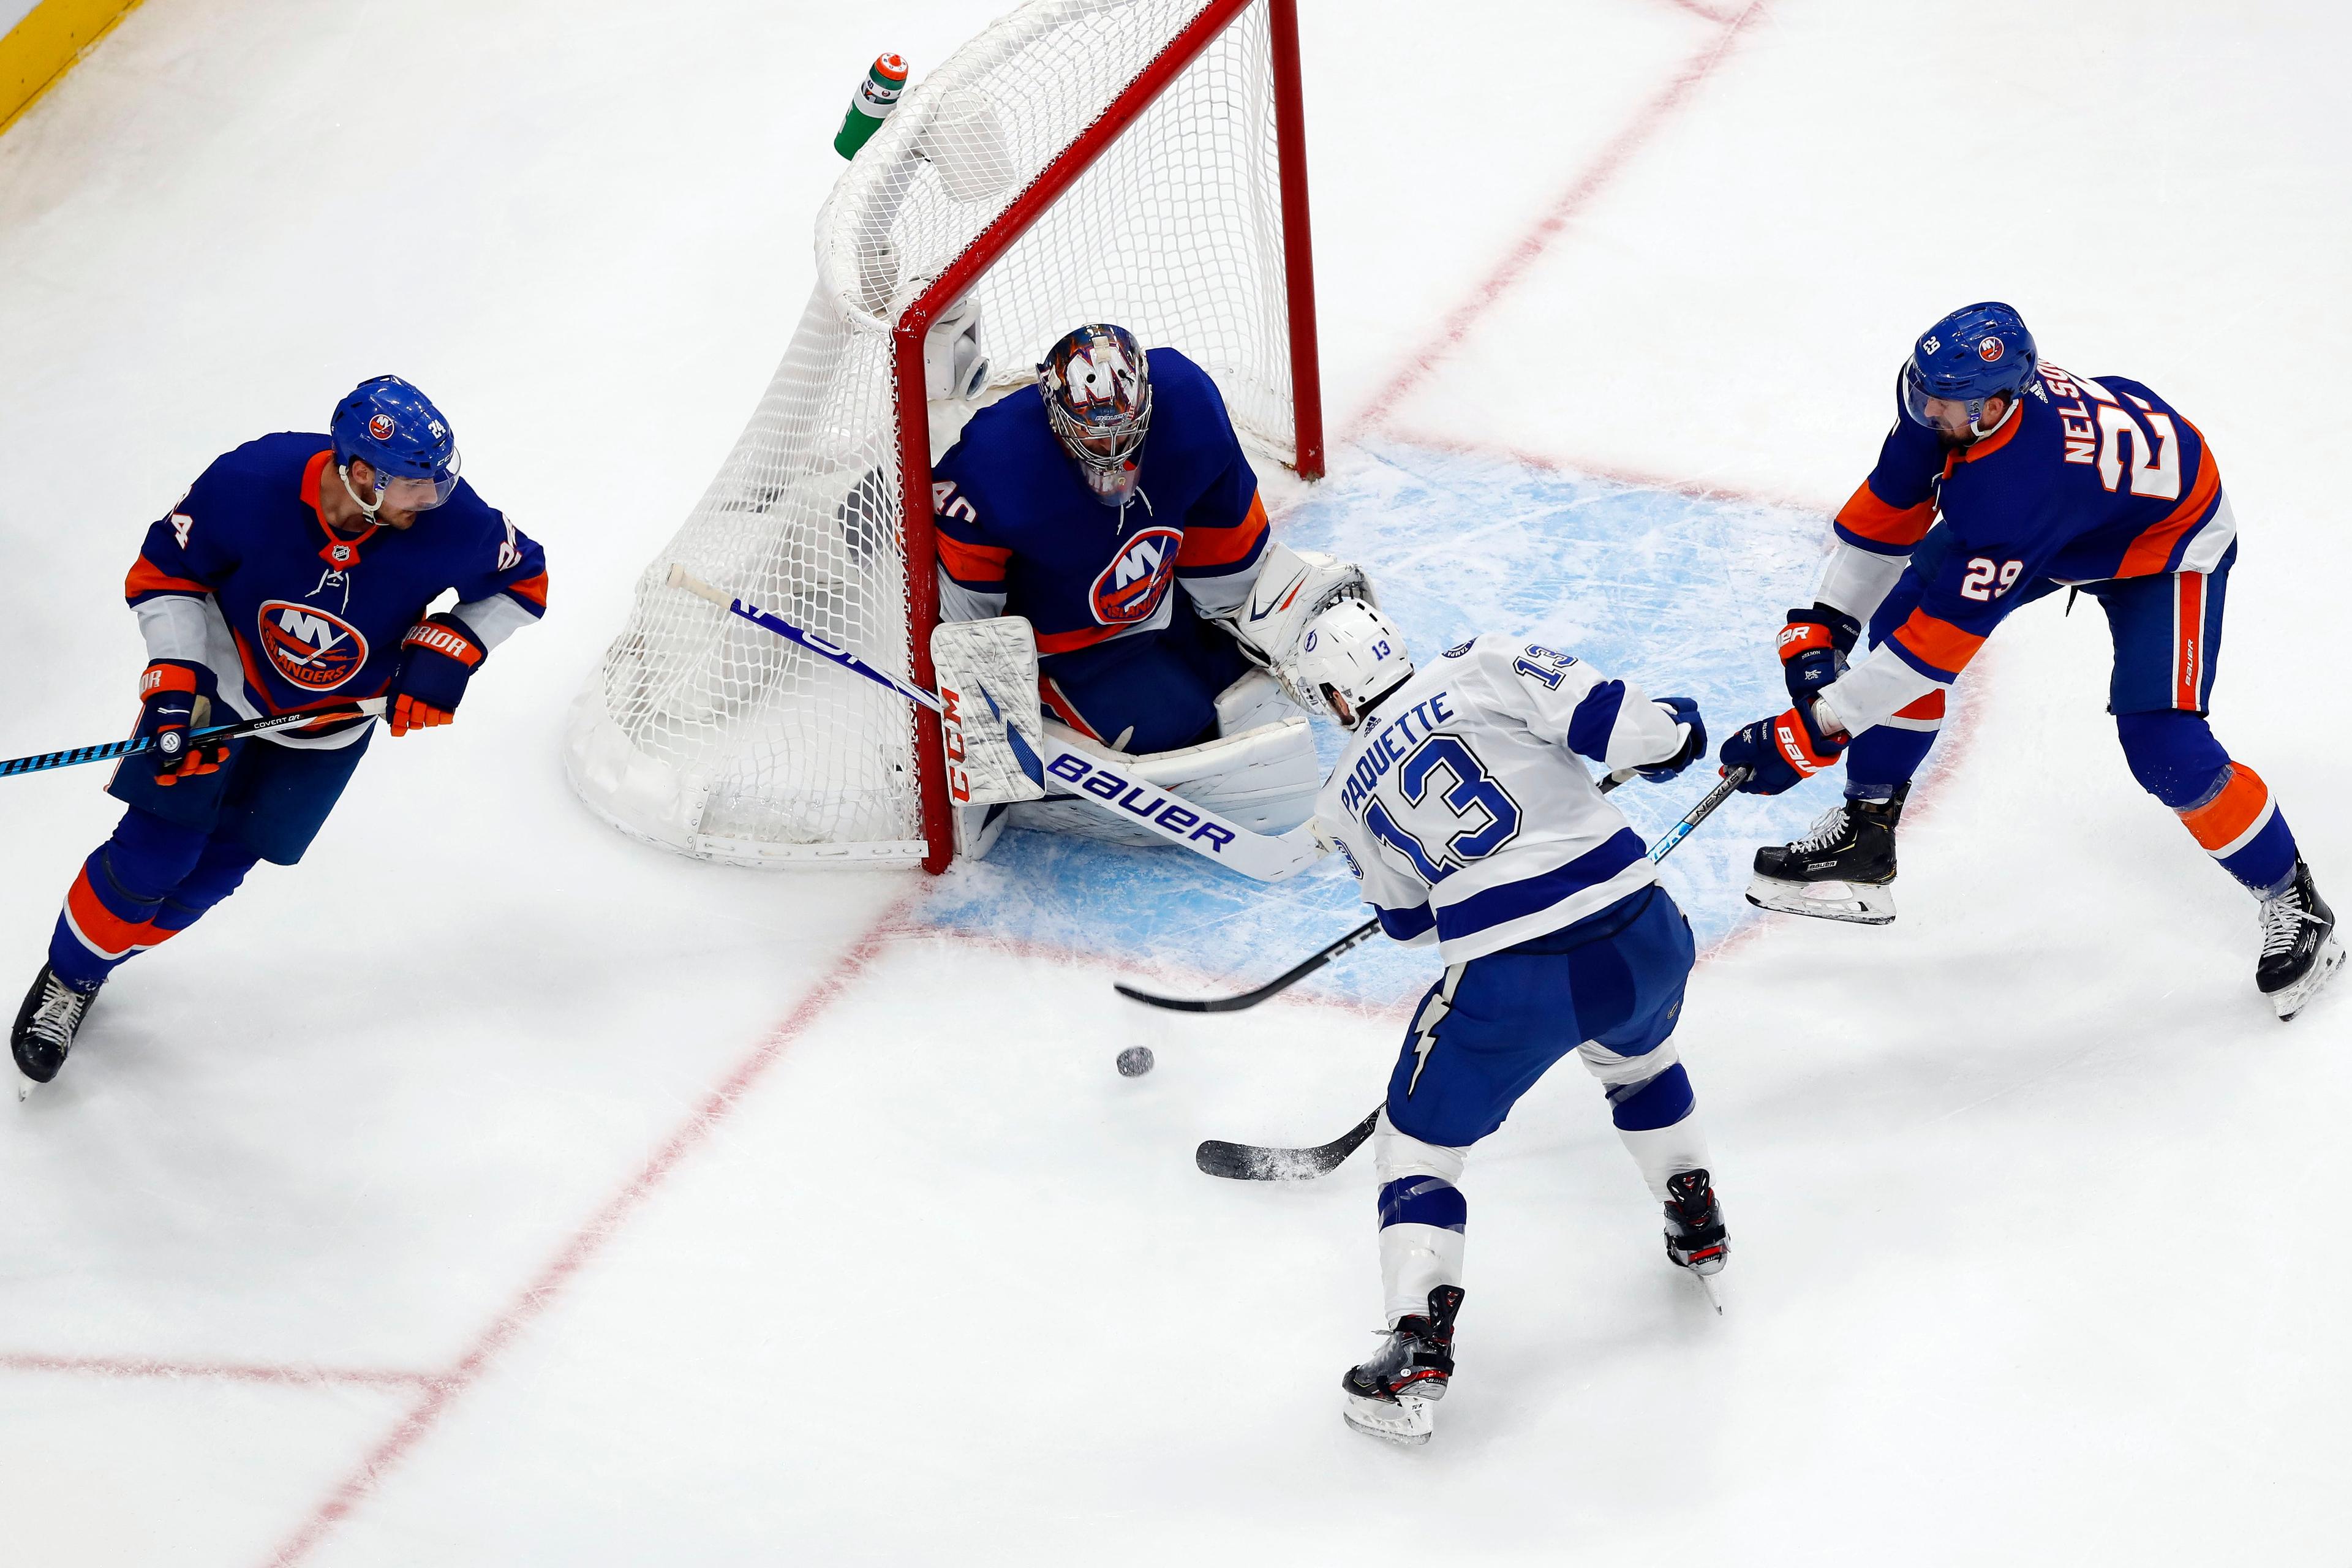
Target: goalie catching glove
{"type": "Point", "coordinates": [1293, 587]}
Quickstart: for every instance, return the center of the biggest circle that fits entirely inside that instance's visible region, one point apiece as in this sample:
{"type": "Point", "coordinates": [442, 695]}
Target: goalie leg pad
{"type": "Point", "coordinates": [1254, 701]}
{"type": "Point", "coordinates": [1264, 780]}
{"type": "Point", "coordinates": [988, 679]}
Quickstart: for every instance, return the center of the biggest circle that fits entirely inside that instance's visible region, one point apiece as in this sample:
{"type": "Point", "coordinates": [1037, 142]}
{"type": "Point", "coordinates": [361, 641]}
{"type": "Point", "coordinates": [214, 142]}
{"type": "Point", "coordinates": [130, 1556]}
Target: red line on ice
{"type": "Point", "coordinates": [1595, 179]}
{"type": "Point", "coordinates": [1696, 9]}
{"type": "Point", "coordinates": [444, 1391]}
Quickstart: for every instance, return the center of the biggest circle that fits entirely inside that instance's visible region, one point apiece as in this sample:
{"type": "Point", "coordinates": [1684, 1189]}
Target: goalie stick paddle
{"type": "Point", "coordinates": [76, 756]}
{"type": "Point", "coordinates": [1260, 856]}
{"type": "Point", "coordinates": [1289, 977]}
{"type": "Point", "coordinates": [1253, 1163]}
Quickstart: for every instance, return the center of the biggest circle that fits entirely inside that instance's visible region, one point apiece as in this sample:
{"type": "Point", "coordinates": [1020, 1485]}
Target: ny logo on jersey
{"type": "Point", "coordinates": [310, 647]}
{"type": "Point", "coordinates": [1129, 589]}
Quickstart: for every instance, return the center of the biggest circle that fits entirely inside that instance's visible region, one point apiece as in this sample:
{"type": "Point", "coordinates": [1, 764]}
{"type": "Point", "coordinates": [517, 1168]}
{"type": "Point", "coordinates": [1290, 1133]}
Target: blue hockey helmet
{"type": "Point", "coordinates": [1977, 353]}
{"type": "Point", "coordinates": [1098, 392]}
{"type": "Point", "coordinates": [396, 431]}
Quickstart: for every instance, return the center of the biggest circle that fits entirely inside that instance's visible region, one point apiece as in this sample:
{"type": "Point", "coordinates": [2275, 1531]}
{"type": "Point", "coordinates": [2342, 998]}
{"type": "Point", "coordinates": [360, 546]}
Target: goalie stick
{"type": "Point", "coordinates": [1252, 1162]}
{"type": "Point", "coordinates": [73, 756]}
{"type": "Point", "coordinates": [1262, 857]}
{"type": "Point", "coordinates": [1289, 977]}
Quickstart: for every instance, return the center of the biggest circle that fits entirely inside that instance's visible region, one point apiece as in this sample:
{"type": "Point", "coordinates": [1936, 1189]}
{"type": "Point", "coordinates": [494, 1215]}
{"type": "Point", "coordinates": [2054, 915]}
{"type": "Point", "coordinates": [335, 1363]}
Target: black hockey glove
{"type": "Point", "coordinates": [1813, 648]}
{"type": "Point", "coordinates": [1683, 710]}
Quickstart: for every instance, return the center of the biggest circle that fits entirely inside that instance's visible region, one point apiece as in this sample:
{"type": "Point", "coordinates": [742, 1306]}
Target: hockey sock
{"type": "Point", "coordinates": [1656, 1120]}
{"type": "Point", "coordinates": [1884, 757]}
{"type": "Point", "coordinates": [112, 909]}
{"type": "Point", "coordinates": [1422, 1214]}
{"type": "Point", "coordinates": [2225, 805]}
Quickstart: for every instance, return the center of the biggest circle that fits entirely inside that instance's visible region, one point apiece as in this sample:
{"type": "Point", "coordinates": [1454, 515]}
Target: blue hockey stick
{"type": "Point", "coordinates": [74, 756]}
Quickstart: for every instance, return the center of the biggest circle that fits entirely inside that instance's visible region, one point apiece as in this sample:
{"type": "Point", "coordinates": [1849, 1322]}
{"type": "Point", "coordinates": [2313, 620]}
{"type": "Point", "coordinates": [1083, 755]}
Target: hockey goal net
{"type": "Point", "coordinates": [1131, 160]}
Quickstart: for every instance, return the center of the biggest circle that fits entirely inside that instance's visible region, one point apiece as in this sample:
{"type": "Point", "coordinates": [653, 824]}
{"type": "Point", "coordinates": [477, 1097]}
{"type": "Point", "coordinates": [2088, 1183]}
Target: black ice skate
{"type": "Point", "coordinates": [1389, 1396]}
{"type": "Point", "coordinates": [1695, 1238]}
{"type": "Point", "coordinates": [46, 1026]}
{"type": "Point", "coordinates": [2300, 952]}
{"type": "Point", "coordinates": [1842, 871]}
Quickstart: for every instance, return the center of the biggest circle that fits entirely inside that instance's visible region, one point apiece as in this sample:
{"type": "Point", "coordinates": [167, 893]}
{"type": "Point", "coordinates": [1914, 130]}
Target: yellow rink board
{"type": "Point", "coordinates": [40, 50]}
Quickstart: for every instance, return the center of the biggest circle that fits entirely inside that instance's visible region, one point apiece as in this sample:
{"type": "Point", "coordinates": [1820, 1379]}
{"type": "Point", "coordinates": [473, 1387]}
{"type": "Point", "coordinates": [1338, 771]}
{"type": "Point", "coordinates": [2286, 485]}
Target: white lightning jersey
{"type": "Point", "coordinates": [1463, 808]}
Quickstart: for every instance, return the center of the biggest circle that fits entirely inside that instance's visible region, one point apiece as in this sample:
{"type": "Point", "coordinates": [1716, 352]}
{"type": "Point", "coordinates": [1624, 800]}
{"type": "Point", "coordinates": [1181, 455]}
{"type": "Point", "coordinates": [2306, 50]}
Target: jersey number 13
{"type": "Point", "coordinates": [1488, 815]}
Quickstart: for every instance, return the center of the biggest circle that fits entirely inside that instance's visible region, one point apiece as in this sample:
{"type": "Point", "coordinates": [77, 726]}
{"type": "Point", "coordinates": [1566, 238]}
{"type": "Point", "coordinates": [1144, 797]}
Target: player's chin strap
{"type": "Point", "coordinates": [344, 472]}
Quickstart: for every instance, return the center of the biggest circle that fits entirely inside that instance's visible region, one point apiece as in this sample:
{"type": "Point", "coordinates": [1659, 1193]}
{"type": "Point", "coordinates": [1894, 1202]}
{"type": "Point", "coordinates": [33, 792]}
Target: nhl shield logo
{"type": "Point", "coordinates": [1991, 349]}
{"type": "Point", "coordinates": [310, 648]}
{"type": "Point", "coordinates": [1131, 586]}
{"type": "Point", "coordinates": [381, 427]}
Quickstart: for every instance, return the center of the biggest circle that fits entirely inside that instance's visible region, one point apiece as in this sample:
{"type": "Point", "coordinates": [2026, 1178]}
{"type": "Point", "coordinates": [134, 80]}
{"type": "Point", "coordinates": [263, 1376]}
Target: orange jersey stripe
{"type": "Point", "coordinates": [1901, 527]}
{"type": "Point", "coordinates": [105, 933]}
{"type": "Point", "coordinates": [530, 590]}
{"type": "Point", "coordinates": [146, 577]}
{"type": "Point", "coordinates": [1928, 706]}
{"type": "Point", "coordinates": [1224, 546]}
{"type": "Point", "coordinates": [2223, 820]}
{"type": "Point", "coordinates": [2151, 549]}
{"type": "Point", "coordinates": [1070, 642]}
{"type": "Point", "coordinates": [1937, 643]}
{"type": "Point", "coordinates": [972, 562]}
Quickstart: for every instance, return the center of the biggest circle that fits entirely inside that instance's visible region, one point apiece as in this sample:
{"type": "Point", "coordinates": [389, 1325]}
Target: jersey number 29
{"type": "Point", "coordinates": [1470, 794]}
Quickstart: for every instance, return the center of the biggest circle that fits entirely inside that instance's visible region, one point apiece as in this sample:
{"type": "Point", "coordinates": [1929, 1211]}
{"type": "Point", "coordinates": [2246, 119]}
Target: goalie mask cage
{"type": "Point", "coordinates": [1139, 162]}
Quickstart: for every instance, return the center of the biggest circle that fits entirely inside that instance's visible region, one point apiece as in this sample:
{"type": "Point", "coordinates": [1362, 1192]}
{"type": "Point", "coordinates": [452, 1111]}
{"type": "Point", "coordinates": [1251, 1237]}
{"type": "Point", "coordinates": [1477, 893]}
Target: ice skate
{"type": "Point", "coordinates": [1389, 1396]}
{"type": "Point", "coordinates": [2300, 952]}
{"type": "Point", "coordinates": [1841, 871]}
{"type": "Point", "coordinates": [45, 1027]}
{"type": "Point", "coordinates": [1695, 1238]}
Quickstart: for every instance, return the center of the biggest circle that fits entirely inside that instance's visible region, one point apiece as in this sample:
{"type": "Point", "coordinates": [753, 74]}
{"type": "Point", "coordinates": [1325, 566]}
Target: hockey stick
{"type": "Point", "coordinates": [1262, 857]}
{"type": "Point", "coordinates": [1252, 1162]}
{"type": "Point", "coordinates": [371, 707]}
{"type": "Point", "coordinates": [1289, 977]}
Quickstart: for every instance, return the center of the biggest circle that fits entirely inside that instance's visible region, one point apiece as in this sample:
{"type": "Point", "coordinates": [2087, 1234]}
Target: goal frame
{"type": "Point", "coordinates": [906, 337]}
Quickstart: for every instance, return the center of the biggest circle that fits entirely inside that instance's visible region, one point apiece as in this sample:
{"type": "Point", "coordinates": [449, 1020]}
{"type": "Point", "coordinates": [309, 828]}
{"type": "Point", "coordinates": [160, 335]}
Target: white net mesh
{"type": "Point", "coordinates": [709, 735]}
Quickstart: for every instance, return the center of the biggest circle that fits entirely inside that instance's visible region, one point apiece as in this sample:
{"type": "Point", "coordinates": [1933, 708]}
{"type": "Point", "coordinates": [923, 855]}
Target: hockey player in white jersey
{"type": "Point", "coordinates": [1465, 808]}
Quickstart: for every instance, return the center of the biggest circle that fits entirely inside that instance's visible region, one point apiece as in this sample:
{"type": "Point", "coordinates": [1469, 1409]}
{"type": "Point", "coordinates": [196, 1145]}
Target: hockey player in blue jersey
{"type": "Point", "coordinates": [1463, 804]}
{"type": "Point", "coordinates": [1117, 512]}
{"type": "Point", "coordinates": [2044, 479]}
{"type": "Point", "coordinates": [296, 573]}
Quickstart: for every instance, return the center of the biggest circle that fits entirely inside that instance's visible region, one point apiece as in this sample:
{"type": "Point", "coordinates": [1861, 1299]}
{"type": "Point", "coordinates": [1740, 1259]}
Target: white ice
{"type": "Point", "coordinates": [492, 1190]}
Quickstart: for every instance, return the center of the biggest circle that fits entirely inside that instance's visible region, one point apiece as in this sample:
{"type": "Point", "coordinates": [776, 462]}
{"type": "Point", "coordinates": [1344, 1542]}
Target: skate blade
{"type": "Point", "coordinates": [1856, 904]}
{"type": "Point", "coordinates": [1708, 1288]}
{"type": "Point", "coordinates": [1408, 1420]}
{"type": "Point", "coordinates": [2292, 1000]}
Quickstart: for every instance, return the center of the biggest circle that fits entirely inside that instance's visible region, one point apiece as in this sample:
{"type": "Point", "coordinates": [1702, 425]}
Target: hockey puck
{"type": "Point", "coordinates": [1135, 1061]}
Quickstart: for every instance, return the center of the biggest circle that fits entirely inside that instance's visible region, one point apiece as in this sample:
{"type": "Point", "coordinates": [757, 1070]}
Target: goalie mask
{"type": "Point", "coordinates": [1098, 392]}
{"type": "Point", "coordinates": [1351, 657]}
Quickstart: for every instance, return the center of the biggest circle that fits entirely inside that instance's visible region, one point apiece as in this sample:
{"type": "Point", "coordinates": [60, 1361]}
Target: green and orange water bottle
{"type": "Point", "coordinates": [877, 96]}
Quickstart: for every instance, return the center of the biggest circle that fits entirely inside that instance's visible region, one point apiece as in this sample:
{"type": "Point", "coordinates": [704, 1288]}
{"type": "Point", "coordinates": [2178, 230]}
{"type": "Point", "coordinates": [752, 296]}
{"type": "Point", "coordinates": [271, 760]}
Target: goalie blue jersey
{"type": "Point", "coordinates": [246, 578]}
{"type": "Point", "coordinates": [1020, 533]}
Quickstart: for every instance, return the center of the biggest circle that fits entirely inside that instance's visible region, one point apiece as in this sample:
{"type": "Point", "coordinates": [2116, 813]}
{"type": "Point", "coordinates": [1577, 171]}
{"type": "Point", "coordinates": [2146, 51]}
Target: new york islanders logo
{"type": "Point", "coordinates": [1990, 350]}
{"type": "Point", "coordinates": [381, 427]}
{"type": "Point", "coordinates": [310, 647]}
{"type": "Point", "coordinates": [1131, 586]}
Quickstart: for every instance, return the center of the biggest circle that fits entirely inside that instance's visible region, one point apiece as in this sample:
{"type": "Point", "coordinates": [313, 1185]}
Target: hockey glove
{"type": "Point", "coordinates": [1683, 711]}
{"type": "Point", "coordinates": [175, 696]}
{"type": "Point", "coordinates": [437, 656]}
{"type": "Point", "coordinates": [1780, 752]}
{"type": "Point", "coordinates": [1813, 649]}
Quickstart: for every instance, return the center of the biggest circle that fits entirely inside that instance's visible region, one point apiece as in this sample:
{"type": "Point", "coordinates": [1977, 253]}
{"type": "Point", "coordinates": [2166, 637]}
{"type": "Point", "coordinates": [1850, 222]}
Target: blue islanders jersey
{"type": "Point", "coordinates": [2085, 481]}
{"type": "Point", "coordinates": [1020, 533]}
{"type": "Point", "coordinates": [294, 615]}
{"type": "Point", "coordinates": [1461, 805]}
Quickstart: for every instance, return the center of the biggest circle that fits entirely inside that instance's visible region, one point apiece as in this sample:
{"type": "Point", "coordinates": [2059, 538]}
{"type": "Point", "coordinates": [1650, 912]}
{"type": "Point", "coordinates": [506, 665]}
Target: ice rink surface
{"type": "Point", "coordinates": [491, 1189]}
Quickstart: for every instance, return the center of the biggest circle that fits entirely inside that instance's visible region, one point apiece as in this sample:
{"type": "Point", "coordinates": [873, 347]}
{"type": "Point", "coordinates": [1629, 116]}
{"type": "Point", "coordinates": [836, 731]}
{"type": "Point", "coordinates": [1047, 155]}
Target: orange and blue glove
{"type": "Point", "coordinates": [1813, 648]}
{"type": "Point", "coordinates": [1780, 753]}
{"type": "Point", "coordinates": [175, 696]}
{"type": "Point", "coordinates": [437, 656]}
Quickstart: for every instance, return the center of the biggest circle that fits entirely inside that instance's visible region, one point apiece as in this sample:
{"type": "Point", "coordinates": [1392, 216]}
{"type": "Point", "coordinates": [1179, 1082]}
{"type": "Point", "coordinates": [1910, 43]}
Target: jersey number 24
{"type": "Point", "coordinates": [1489, 815]}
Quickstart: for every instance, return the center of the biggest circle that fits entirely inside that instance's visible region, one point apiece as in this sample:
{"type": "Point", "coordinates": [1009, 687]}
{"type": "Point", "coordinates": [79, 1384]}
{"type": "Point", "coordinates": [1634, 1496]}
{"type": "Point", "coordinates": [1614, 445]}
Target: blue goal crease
{"type": "Point", "coordinates": [1677, 594]}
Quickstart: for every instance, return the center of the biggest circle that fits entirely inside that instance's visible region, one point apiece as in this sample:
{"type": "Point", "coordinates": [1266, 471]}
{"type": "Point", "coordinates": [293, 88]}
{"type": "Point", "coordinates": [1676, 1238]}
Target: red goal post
{"type": "Point", "coordinates": [1150, 207]}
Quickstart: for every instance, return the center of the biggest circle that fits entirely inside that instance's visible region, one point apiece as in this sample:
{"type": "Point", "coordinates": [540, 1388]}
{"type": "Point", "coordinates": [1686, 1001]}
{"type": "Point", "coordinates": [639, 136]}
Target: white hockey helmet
{"type": "Point", "coordinates": [1353, 653]}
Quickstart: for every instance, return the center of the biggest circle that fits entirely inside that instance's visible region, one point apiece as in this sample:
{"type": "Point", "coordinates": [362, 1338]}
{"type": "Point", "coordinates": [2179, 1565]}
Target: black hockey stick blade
{"type": "Point", "coordinates": [1249, 1162]}
{"type": "Point", "coordinates": [1280, 982]}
